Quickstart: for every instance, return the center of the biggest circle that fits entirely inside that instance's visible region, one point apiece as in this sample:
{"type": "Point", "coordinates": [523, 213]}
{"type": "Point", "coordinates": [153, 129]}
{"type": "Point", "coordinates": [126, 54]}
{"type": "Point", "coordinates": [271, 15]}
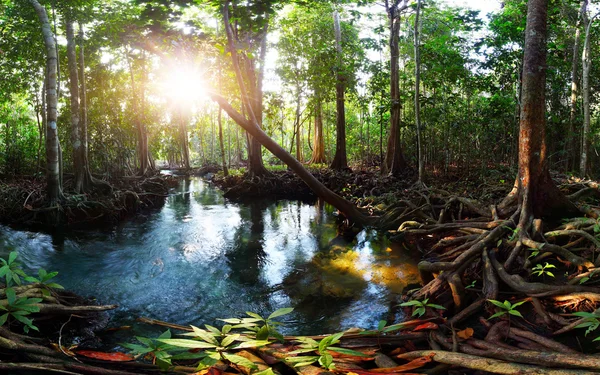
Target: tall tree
{"type": "Point", "coordinates": [420, 155]}
{"type": "Point", "coordinates": [534, 191]}
{"type": "Point", "coordinates": [394, 158]}
{"type": "Point", "coordinates": [340, 160]}
{"type": "Point", "coordinates": [572, 138]}
{"type": "Point", "coordinates": [587, 65]}
{"type": "Point", "coordinates": [54, 188]}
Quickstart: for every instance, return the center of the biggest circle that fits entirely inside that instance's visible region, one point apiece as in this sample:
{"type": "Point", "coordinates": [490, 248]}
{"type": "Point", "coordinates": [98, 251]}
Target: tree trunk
{"type": "Point", "coordinates": [251, 91]}
{"type": "Point", "coordinates": [185, 148]}
{"type": "Point", "coordinates": [78, 166]}
{"type": "Point", "coordinates": [340, 161]}
{"type": "Point", "coordinates": [297, 125]}
{"type": "Point", "coordinates": [417, 94]}
{"type": "Point", "coordinates": [572, 137]}
{"type": "Point", "coordinates": [52, 149]}
{"type": "Point", "coordinates": [318, 154]}
{"type": "Point", "coordinates": [537, 194]}
{"type": "Point", "coordinates": [587, 65]}
{"type": "Point", "coordinates": [394, 158]}
{"type": "Point", "coordinates": [344, 206]}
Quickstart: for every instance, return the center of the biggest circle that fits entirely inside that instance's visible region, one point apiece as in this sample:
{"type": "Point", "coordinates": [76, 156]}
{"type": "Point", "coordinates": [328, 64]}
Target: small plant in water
{"type": "Point", "coordinates": [261, 328]}
{"type": "Point", "coordinates": [11, 270]}
{"type": "Point", "coordinates": [540, 270]}
{"type": "Point", "coordinates": [322, 348]}
{"type": "Point", "coordinates": [506, 308]}
{"type": "Point", "coordinates": [420, 306]}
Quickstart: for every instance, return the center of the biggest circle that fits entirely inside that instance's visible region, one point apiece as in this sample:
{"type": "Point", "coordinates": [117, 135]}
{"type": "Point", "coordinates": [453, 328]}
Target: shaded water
{"type": "Point", "coordinates": [201, 258]}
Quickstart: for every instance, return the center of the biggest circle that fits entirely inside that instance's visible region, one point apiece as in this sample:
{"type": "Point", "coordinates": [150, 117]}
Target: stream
{"type": "Point", "coordinates": [201, 257]}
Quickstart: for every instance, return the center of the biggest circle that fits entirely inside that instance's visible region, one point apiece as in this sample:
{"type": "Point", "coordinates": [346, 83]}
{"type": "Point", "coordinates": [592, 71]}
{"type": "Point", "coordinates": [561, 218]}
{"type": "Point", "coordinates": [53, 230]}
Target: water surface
{"type": "Point", "coordinates": [202, 257]}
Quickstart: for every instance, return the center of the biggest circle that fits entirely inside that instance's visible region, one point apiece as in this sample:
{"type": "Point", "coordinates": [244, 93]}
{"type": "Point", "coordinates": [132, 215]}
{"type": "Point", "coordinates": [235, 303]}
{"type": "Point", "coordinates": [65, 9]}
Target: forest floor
{"type": "Point", "coordinates": [494, 299]}
{"type": "Point", "coordinates": [23, 202]}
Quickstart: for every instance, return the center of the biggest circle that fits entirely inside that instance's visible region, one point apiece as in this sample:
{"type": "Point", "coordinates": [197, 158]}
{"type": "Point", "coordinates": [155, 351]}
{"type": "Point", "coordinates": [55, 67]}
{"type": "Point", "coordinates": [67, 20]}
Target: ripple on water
{"type": "Point", "coordinates": [201, 258]}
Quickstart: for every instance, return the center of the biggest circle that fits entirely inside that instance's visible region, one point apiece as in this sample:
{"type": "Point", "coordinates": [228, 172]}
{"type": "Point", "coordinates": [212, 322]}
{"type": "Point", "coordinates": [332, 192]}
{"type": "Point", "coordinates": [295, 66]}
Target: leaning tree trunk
{"type": "Point", "coordinates": [318, 154]}
{"type": "Point", "coordinates": [394, 159]}
{"type": "Point", "coordinates": [536, 193]}
{"type": "Point", "coordinates": [571, 138]}
{"type": "Point", "coordinates": [587, 65]}
{"type": "Point", "coordinates": [344, 206]}
{"type": "Point", "coordinates": [52, 147]}
{"type": "Point", "coordinates": [417, 94]}
{"type": "Point", "coordinates": [340, 160]}
{"type": "Point", "coordinates": [78, 152]}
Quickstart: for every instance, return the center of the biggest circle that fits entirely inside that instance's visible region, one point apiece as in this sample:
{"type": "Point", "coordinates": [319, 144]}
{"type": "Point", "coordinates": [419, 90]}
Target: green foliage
{"type": "Point", "coordinates": [154, 347]}
{"type": "Point", "coordinates": [535, 252]}
{"type": "Point", "coordinates": [506, 308]}
{"type": "Point", "coordinates": [420, 306]}
{"type": "Point", "coordinates": [11, 270]}
{"type": "Point", "coordinates": [19, 308]}
{"type": "Point", "coordinates": [44, 280]}
{"type": "Point", "coordinates": [261, 328]}
{"type": "Point", "coordinates": [591, 321]}
{"type": "Point", "coordinates": [383, 328]}
{"type": "Point", "coordinates": [322, 348]}
{"type": "Point", "coordinates": [540, 270]}
{"type": "Point", "coordinates": [217, 345]}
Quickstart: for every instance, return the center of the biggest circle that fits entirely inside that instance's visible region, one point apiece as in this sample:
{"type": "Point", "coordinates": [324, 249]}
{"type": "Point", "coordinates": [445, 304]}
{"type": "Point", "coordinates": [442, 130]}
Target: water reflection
{"type": "Point", "coordinates": [201, 258]}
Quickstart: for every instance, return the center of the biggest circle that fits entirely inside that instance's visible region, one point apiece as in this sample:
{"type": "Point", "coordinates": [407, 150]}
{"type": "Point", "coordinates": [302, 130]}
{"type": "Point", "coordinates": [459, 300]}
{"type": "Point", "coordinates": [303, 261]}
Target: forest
{"type": "Point", "coordinates": [306, 187]}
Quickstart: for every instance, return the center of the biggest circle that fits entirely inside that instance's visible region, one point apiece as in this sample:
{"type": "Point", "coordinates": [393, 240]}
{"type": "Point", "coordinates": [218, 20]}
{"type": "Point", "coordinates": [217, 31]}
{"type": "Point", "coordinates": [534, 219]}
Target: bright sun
{"type": "Point", "coordinates": [183, 84]}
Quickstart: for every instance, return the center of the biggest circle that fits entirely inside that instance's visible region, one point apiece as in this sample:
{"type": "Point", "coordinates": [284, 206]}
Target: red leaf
{"type": "Point", "coordinates": [113, 357]}
{"type": "Point", "coordinates": [425, 326]}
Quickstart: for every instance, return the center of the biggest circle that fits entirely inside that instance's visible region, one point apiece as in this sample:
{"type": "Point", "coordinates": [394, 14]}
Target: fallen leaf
{"type": "Point", "coordinates": [113, 357]}
{"type": "Point", "coordinates": [465, 333]}
{"type": "Point", "coordinates": [426, 326]}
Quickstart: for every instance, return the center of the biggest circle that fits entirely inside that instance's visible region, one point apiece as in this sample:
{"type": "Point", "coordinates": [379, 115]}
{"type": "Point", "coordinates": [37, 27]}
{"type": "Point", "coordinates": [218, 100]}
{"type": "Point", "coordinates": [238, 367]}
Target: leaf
{"type": "Point", "coordinates": [426, 326]}
{"type": "Point", "coordinates": [205, 336]}
{"type": "Point", "coordinates": [411, 303]}
{"type": "Point", "coordinates": [229, 340]}
{"type": "Point", "coordinates": [112, 357]}
{"type": "Point", "coordinates": [347, 351]}
{"type": "Point", "coordinates": [3, 318]}
{"type": "Point", "coordinates": [436, 306]}
{"type": "Point", "coordinates": [326, 360]}
{"type": "Point", "coordinates": [280, 312]}
{"type": "Point", "coordinates": [497, 315]}
{"type": "Point", "coordinates": [497, 303]}
{"type": "Point", "coordinates": [584, 314]}
{"type": "Point", "coordinates": [268, 371]}
{"type": "Point", "coordinates": [165, 335]}
{"type": "Point", "coordinates": [254, 315]}
{"type": "Point", "coordinates": [549, 274]}
{"type": "Point", "coordinates": [12, 256]}
{"type": "Point", "coordinates": [252, 344]}
{"type": "Point", "coordinates": [515, 312]}
{"type": "Point", "coordinates": [394, 327]}
{"type": "Point", "coordinates": [381, 325]}
{"type": "Point", "coordinates": [139, 349]}
{"type": "Point", "coordinates": [263, 333]}
{"type": "Point", "coordinates": [239, 360]}
{"type": "Point", "coordinates": [465, 333]}
{"type": "Point", "coordinates": [213, 329]}
{"type": "Point", "coordinates": [419, 311]}
{"type": "Point", "coordinates": [518, 304]}
{"type": "Point", "coordinates": [11, 296]}
{"type": "Point", "coordinates": [191, 344]}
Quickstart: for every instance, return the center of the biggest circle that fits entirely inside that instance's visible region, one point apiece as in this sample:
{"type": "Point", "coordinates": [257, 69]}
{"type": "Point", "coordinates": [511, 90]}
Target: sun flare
{"type": "Point", "coordinates": [183, 84]}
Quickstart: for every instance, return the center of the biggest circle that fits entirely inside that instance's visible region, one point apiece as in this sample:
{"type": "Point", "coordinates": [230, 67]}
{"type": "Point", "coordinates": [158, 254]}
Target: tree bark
{"type": "Point", "coordinates": [537, 194]}
{"type": "Point", "coordinates": [52, 148]}
{"type": "Point", "coordinates": [394, 158]}
{"type": "Point", "coordinates": [417, 94]}
{"type": "Point", "coordinates": [318, 154]}
{"type": "Point", "coordinates": [78, 165]}
{"type": "Point", "coordinates": [587, 65]}
{"type": "Point", "coordinates": [340, 160]}
{"type": "Point", "coordinates": [572, 137]}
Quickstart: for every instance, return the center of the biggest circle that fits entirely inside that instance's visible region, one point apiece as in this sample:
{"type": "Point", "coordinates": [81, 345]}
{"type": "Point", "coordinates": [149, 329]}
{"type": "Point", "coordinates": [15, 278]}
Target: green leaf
{"type": "Point", "coordinates": [419, 311]}
{"type": "Point", "coordinates": [12, 256]}
{"type": "Point", "coordinates": [497, 315]}
{"type": "Point", "coordinates": [165, 335]}
{"type": "Point", "coordinates": [394, 327]}
{"type": "Point", "coordinates": [254, 315]}
{"type": "Point", "coordinates": [326, 360]}
{"type": "Point", "coordinates": [515, 312]}
{"type": "Point", "coordinates": [585, 314]}
{"type": "Point", "coordinates": [213, 329]}
{"type": "Point", "coordinates": [263, 333]}
{"type": "Point", "coordinates": [381, 325]}
{"type": "Point", "coordinates": [302, 351]}
{"type": "Point", "coordinates": [497, 303]}
{"type": "Point", "coordinates": [412, 303]}
{"type": "Point", "coordinates": [240, 361]}
{"type": "Point", "coordinates": [280, 312]}
{"type": "Point", "coordinates": [138, 349]}
{"type": "Point", "coordinates": [549, 274]}
{"type": "Point", "coordinates": [11, 296]}
{"type": "Point", "coordinates": [305, 363]}
{"type": "Point", "coordinates": [436, 306]}
{"type": "Point", "coordinates": [3, 270]}
{"type": "Point", "coordinates": [518, 304]}
{"type": "Point", "coordinates": [252, 344]}
{"type": "Point", "coordinates": [268, 371]}
{"type": "Point", "coordinates": [205, 336]}
{"type": "Point", "coordinates": [229, 340]}
{"type": "Point", "coordinates": [347, 351]}
{"type": "Point", "coordinates": [191, 344]}
{"type": "Point", "coordinates": [3, 318]}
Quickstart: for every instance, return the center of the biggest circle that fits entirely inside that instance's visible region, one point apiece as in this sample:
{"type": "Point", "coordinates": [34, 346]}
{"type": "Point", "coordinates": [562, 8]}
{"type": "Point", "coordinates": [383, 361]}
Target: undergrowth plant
{"type": "Point", "coordinates": [259, 327]}
{"type": "Point", "coordinates": [158, 351]}
{"type": "Point", "coordinates": [420, 306]}
{"type": "Point", "coordinates": [506, 308]}
{"type": "Point", "coordinates": [322, 348]}
{"type": "Point", "coordinates": [540, 270]}
{"type": "Point", "coordinates": [591, 321]}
